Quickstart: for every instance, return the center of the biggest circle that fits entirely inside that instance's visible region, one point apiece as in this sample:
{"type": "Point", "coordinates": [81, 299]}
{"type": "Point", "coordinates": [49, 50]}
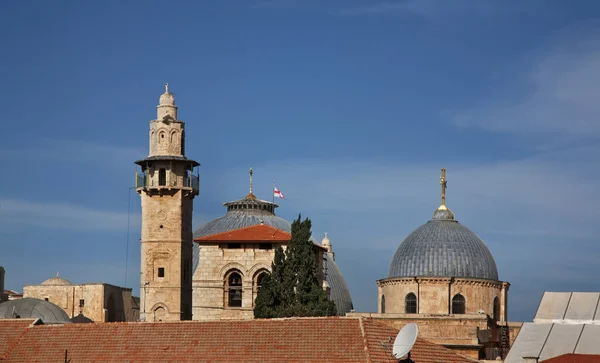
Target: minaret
{"type": "Point", "coordinates": [167, 187]}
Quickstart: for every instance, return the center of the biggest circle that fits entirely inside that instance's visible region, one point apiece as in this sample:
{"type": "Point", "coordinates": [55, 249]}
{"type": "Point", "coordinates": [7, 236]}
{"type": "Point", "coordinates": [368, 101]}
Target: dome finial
{"type": "Point", "coordinates": [251, 195]}
{"type": "Point", "coordinates": [443, 212]}
{"type": "Point", "coordinates": [443, 183]}
{"type": "Point", "coordinates": [167, 87]}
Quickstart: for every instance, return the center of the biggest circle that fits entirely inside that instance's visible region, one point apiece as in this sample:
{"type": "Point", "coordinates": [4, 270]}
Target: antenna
{"type": "Point", "coordinates": [405, 340]}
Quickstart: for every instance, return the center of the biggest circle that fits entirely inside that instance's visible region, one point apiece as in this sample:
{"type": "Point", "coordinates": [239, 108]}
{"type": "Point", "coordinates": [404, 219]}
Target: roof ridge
{"type": "Point", "coordinates": [264, 225]}
{"type": "Point", "coordinates": [365, 342]}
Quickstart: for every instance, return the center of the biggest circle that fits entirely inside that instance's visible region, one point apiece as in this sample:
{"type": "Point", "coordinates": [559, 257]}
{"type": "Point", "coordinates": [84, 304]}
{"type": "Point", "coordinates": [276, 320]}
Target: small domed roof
{"type": "Point", "coordinates": [81, 319]}
{"type": "Point", "coordinates": [29, 307]}
{"type": "Point", "coordinates": [166, 98]}
{"type": "Point", "coordinates": [56, 281]}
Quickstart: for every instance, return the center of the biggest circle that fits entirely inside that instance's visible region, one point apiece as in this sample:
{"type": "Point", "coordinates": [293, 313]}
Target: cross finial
{"type": "Point", "coordinates": [443, 183]}
{"type": "Point", "coordinates": [251, 195]}
{"type": "Point", "coordinates": [251, 180]}
{"type": "Point", "coordinates": [166, 88]}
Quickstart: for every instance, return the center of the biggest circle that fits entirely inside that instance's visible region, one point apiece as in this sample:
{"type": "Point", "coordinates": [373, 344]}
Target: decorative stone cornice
{"type": "Point", "coordinates": [441, 280]}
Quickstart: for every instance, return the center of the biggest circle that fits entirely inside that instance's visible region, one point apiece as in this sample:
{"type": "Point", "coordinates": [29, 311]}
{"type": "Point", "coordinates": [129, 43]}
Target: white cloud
{"type": "Point", "coordinates": [63, 216]}
{"type": "Point", "coordinates": [560, 97]}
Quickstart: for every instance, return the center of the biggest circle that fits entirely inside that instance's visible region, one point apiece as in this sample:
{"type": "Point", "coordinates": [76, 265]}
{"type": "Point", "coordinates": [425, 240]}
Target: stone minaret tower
{"type": "Point", "coordinates": [167, 186]}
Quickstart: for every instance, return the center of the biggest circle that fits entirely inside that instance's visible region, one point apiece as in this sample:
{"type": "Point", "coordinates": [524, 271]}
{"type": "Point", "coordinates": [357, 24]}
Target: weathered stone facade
{"type": "Point", "coordinates": [167, 188]}
{"type": "Point", "coordinates": [99, 302]}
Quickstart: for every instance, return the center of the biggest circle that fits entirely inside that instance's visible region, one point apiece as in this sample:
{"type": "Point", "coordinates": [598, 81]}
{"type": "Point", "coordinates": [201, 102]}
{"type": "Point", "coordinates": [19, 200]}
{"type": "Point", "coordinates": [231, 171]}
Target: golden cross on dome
{"type": "Point", "coordinates": [443, 183]}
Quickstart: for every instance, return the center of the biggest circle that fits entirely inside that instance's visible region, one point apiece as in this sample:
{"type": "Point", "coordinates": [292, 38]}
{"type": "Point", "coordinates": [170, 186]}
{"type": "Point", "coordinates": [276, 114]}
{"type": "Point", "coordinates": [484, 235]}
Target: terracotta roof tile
{"type": "Point", "coordinates": [380, 339]}
{"type": "Point", "coordinates": [259, 232]}
{"type": "Point", "coordinates": [574, 358]}
{"type": "Point", "coordinates": [322, 340]}
{"type": "Point", "coordinates": [10, 332]}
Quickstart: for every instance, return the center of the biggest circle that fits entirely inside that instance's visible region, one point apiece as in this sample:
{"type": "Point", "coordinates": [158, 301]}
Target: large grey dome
{"type": "Point", "coordinates": [251, 211]}
{"type": "Point", "coordinates": [443, 247]}
{"type": "Point", "coordinates": [29, 307]}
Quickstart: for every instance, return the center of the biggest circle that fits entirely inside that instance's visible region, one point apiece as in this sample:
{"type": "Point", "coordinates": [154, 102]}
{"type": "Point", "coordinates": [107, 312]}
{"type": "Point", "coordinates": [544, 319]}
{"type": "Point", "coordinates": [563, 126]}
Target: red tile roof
{"type": "Point", "coordinates": [11, 330]}
{"type": "Point", "coordinates": [322, 340]}
{"type": "Point", "coordinates": [259, 232]}
{"type": "Point", "coordinates": [574, 358]}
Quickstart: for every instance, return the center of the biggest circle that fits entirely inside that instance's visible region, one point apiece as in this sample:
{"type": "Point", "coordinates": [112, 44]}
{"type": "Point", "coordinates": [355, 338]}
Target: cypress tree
{"type": "Point", "coordinates": [292, 288]}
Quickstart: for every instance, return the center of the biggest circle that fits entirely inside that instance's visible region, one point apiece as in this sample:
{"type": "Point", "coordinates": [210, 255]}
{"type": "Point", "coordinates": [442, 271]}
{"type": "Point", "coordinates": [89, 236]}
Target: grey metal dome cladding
{"type": "Point", "coordinates": [443, 247]}
{"type": "Point", "coordinates": [34, 308]}
{"type": "Point", "coordinates": [246, 217]}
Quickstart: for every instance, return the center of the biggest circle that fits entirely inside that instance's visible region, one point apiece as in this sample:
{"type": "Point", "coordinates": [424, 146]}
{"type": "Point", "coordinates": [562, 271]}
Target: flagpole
{"type": "Point", "coordinates": [273, 192]}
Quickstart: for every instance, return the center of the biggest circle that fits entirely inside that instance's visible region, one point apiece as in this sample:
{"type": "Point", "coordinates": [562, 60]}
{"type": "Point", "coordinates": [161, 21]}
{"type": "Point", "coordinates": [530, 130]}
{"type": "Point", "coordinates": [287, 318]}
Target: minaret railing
{"type": "Point", "coordinates": [143, 181]}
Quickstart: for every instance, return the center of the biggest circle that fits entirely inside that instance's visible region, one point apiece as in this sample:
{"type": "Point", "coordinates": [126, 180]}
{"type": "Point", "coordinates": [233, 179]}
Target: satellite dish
{"type": "Point", "coordinates": [406, 338]}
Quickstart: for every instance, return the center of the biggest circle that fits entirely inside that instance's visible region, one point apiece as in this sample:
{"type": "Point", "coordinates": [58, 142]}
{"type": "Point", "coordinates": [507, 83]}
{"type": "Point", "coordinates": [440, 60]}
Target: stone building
{"type": "Point", "coordinates": [444, 278]}
{"type": "Point", "coordinates": [167, 187]}
{"type": "Point", "coordinates": [231, 254]}
{"type": "Point", "coordinates": [99, 302]}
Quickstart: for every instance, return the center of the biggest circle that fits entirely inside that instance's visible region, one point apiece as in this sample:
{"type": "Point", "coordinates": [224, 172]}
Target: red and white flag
{"type": "Point", "coordinates": [277, 193]}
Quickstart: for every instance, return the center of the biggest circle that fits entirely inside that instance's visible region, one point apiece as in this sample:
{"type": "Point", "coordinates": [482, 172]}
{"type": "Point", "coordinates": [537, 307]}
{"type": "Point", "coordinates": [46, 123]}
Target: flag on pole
{"type": "Point", "coordinates": [277, 193]}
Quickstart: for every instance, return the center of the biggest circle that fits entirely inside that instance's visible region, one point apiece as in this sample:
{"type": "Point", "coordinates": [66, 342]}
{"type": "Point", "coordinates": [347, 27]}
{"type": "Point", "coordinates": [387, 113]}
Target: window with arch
{"type": "Point", "coordinates": [458, 304]}
{"type": "Point", "coordinates": [383, 304]}
{"type": "Point", "coordinates": [233, 289]}
{"type": "Point", "coordinates": [496, 308]}
{"type": "Point", "coordinates": [410, 303]}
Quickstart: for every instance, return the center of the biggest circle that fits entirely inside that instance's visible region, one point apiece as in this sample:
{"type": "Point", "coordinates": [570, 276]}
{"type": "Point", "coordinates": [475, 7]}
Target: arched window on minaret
{"type": "Point", "coordinates": [162, 177]}
{"type": "Point", "coordinates": [383, 304]}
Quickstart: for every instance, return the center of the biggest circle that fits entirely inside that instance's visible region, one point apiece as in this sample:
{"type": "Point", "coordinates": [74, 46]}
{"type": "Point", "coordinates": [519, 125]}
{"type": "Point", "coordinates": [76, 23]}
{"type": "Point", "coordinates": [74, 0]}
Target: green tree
{"type": "Point", "coordinates": [292, 288]}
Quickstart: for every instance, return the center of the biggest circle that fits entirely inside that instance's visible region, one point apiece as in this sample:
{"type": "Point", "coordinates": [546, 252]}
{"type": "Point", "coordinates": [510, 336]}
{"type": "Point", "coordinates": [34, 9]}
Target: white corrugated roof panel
{"type": "Point", "coordinates": [582, 306]}
{"type": "Point", "coordinates": [589, 342]}
{"type": "Point", "coordinates": [561, 340]}
{"type": "Point", "coordinates": [552, 307]}
{"type": "Point", "coordinates": [529, 342]}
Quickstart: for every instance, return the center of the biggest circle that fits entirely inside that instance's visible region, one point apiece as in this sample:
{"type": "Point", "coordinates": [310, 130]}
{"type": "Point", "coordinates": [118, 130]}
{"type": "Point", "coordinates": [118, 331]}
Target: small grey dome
{"type": "Point", "coordinates": [81, 319]}
{"type": "Point", "coordinates": [251, 211]}
{"type": "Point", "coordinates": [443, 247]}
{"type": "Point", "coordinates": [167, 98]}
{"type": "Point", "coordinates": [57, 281]}
{"type": "Point", "coordinates": [29, 307]}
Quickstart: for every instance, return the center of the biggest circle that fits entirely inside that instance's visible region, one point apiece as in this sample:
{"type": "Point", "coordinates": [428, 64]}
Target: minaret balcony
{"type": "Point", "coordinates": [145, 182]}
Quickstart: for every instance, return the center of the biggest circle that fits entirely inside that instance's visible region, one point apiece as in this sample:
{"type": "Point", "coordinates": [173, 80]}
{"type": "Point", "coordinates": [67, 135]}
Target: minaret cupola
{"type": "Point", "coordinates": [166, 106]}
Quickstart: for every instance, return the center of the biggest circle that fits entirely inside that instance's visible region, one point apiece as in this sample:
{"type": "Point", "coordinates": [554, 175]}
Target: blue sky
{"type": "Point", "coordinates": [351, 106]}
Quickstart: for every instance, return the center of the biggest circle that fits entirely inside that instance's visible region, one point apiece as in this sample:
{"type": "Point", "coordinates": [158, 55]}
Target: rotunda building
{"type": "Point", "coordinates": [443, 268]}
{"type": "Point", "coordinates": [231, 252]}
